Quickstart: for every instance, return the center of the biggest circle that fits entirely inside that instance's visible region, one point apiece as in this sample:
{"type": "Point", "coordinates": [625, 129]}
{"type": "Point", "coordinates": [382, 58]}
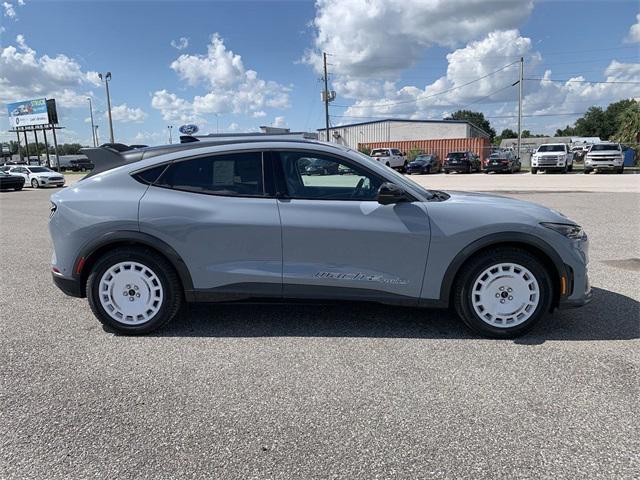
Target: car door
{"type": "Point", "coordinates": [339, 242]}
{"type": "Point", "coordinates": [215, 212]}
{"type": "Point", "coordinates": [21, 171]}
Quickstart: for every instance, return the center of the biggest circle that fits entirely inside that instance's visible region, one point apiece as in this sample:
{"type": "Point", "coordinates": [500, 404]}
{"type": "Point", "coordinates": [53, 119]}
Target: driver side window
{"type": "Point", "coordinates": [322, 177]}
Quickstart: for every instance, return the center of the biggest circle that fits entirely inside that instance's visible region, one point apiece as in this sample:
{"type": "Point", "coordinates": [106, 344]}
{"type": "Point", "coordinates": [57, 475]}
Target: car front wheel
{"type": "Point", "coordinates": [134, 291]}
{"type": "Point", "coordinates": [34, 183]}
{"type": "Point", "coordinates": [502, 293]}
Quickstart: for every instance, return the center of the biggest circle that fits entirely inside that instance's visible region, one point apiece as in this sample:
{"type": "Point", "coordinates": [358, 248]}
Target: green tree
{"type": "Point", "coordinates": [628, 122]}
{"type": "Point", "coordinates": [477, 118]}
{"type": "Point", "coordinates": [567, 131]}
{"type": "Point", "coordinates": [508, 133]}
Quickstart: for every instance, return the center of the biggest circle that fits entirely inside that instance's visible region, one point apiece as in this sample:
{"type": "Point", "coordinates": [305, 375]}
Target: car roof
{"type": "Point", "coordinates": [105, 158]}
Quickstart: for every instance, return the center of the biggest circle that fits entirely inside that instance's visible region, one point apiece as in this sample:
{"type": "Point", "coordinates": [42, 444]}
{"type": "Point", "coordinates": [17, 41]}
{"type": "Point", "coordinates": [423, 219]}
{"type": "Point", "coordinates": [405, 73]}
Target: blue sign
{"type": "Point", "coordinates": [28, 112]}
{"type": "Point", "coordinates": [189, 129]}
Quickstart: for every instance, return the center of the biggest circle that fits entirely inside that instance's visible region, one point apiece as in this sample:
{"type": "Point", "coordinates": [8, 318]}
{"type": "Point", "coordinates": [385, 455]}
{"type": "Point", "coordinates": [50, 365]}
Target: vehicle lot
{"type": "Point", "coordinates": [325, 391]}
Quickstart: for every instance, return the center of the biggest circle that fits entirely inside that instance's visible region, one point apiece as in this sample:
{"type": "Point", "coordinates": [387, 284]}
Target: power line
{"type": "Point", "coordinates": [432, 95]}
{"type": "Point", "coordinates": [582, 81]}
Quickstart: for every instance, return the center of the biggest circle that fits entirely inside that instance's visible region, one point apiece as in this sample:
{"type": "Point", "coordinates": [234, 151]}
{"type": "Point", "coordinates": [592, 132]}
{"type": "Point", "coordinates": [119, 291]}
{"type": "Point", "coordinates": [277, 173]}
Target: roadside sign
{"type": "Point", "coordinates": [28, 113]}
{"type": "Point", "coordinates": [188, 129]}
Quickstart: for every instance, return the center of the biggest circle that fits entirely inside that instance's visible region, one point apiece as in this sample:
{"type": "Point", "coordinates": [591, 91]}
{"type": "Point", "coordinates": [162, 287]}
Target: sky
{"type": "Point", "coordinates": [234, 66]}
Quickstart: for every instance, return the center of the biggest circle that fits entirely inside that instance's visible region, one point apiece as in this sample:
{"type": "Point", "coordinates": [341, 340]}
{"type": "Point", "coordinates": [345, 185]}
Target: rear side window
{"type": "Point", "coordinates": [234, 174]}
{"type": "Point", "coordinates": [151, 175]}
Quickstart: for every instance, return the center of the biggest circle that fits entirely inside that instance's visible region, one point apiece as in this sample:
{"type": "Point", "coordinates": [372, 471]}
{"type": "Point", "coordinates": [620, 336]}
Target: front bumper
{"type": "Point", "coordinates": [69, 286]}
{"type": "Point", "coordinates": [603, 165]}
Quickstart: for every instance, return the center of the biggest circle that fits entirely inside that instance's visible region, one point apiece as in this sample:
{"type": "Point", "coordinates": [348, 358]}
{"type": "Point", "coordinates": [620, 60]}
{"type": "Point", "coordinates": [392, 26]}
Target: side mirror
{"type": "Point", "coordinates": [389, 193]}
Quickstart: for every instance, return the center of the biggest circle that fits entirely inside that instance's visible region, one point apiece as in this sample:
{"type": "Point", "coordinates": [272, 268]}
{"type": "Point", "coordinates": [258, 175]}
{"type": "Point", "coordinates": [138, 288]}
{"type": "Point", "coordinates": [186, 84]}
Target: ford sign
{"type": "Point", "coordinates": [188, 129]}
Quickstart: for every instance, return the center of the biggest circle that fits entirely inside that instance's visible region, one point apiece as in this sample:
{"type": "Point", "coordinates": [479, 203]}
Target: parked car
{"type": "Point", "coordinates": [463, 162]}
{"type": "Point", "coordinates": [604, 156]}
{"type": "Point", "coordinates": [151, 228]}
{"type": "Point", "coordinates": [391, 157]}
{"type": "Point", "coordinates": [424, 164]}
{"type": "Point", "coordinates": [321, 167]}
{"type": "Point", "coordinates": [8, 181]}
{"type": "Point", "coordinates": [552, 157]}
{"type": "Point", "coordinates": [38, 176]}
{"type": "Point", "coordinates": [502, 162]}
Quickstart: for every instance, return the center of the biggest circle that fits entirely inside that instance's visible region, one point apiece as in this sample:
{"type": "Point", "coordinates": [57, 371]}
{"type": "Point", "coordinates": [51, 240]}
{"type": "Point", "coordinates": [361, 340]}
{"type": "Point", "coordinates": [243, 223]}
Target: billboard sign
{"type": "Point", "coordinates": [28, 112]}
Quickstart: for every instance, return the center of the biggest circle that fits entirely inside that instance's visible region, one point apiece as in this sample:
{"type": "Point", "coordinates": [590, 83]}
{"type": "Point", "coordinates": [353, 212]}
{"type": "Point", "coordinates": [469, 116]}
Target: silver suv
{"type": "Point", "coordinates": [152, 228]}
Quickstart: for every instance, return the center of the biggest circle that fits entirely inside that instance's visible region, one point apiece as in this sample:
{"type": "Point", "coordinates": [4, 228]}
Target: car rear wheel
{"type": "Point", "coordinates": [503, 293]}
{"type": "Point", "coordinates": [134, 291]}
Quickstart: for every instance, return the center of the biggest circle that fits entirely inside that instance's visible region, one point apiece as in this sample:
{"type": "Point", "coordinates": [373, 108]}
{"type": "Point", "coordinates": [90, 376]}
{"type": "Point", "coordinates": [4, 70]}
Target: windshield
{"type": "Point", "coordinates": [380, 153]}
{"type": "Point", "coordinates": [39, 169]}
{"type": "Point", "coordinates": [605, 146]}
{"type": "Point", "coordinates": [551, 148]}
{"type": "Point", "coordinates": [497, 156]}
{"type": "Point", "coordinates": [457, 155]}
{"type": "Point", "coordinates": [424, 158]}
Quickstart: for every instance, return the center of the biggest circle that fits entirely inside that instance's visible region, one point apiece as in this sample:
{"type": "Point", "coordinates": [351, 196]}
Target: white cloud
{"type": "Point", "coordinates": [9, 10]}
{"type": "Point", "coordinates": [25, 74]}
{"type": "Point", "coordinates": [279, 122]}
{"type": "Point", "coordinates": [233, 127]}
{"type": "Point", "coordinates": [383, 37]}
{"type": "Point", "coordinates": [229, 86]}
{"type": "Point", "coordinates": [478, 59]}
{"type": "Point", "coordinates": [259, 114]}
{"type": "Point", "coordinates": [123, 113]}
{"type": "Point", "coordinates": [180, 44]}
{"type": "Point", "coordinates": [634, 31]}
{"type": "Point", "coordinates": [494, 95]}
{"type": "Point", "coordinates": [172, 107]}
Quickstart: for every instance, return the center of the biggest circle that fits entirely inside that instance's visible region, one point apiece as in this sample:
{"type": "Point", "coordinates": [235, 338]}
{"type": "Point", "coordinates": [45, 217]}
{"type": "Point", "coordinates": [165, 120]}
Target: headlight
{"type": "Point", "coordinates": [571, 231]}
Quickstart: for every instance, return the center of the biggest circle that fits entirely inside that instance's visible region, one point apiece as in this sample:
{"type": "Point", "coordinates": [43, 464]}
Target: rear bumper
{"type": "Point", "coordinates": [69, 286]}
{"type": "Point", "coordinates": [457, 168]}
{"type": "Point", "coordinates": [497, 168]}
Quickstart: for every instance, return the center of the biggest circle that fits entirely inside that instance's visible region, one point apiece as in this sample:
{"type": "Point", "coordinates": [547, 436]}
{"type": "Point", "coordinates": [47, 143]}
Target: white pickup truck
{"type": "Point", "coordinates": [391, 157]}
{"type": "Point", "coordinates": [552, 156]}
{"type": "Point", "coordinates": [604, 156]}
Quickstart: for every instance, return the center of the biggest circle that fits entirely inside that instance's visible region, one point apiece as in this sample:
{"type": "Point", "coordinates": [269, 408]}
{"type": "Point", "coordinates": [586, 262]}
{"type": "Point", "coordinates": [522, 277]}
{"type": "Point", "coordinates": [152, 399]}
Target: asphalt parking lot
{"type": "Point", "coordinates": [324, 391]}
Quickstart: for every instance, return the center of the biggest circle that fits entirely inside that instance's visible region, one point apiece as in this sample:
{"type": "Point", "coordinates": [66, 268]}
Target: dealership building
{"type": "Point", "coordinates": [394, 130]}
{"type": "Point", "coordinates": [437, 137]}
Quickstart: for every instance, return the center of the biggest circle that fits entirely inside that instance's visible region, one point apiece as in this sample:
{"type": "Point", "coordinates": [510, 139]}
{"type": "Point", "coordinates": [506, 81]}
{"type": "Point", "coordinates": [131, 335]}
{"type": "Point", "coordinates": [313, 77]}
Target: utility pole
{"type": "Point", "coordinates": [93, 128]}
{"type": "Point", "coordinates": [107, 78]}
{"type": "Point", "coordinates": [170, 127]}
{"type": "Point", "coordinates": [325, 95]}
{"type": "Point", "coordinates": [520, 82]}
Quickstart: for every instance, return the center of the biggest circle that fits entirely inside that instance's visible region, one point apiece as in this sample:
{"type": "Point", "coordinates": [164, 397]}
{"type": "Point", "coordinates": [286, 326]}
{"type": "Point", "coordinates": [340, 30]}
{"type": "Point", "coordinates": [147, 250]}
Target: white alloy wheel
{"type": "Point", "coordinates": [505, 295]}
{"type": "Point", "coordinates": [131, 293]}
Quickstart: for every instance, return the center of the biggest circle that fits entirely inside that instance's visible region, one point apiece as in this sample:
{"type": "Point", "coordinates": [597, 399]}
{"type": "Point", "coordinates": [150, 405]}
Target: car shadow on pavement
{"type": "Point", "coordinates": [610, 316]}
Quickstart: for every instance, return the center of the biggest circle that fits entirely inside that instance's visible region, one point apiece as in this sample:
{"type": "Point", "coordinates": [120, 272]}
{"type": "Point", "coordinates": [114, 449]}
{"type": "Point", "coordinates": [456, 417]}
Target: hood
{"type": "Point", "coordinates": [506, 208]}
{"type": "Point", "coordinates": [46, 174]}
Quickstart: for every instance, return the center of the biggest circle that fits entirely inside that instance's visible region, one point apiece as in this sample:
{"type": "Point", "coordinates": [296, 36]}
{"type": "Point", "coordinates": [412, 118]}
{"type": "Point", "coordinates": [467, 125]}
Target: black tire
{"type": "Point", "coordinates": [587, 171]}
{"type": "Point", "coordinates": [172, 289]}
{"type": "Point", "coordinates": [404, 166]}
{"type": "Point", "coordinates": [446, 172]}
{"type": "Point", "coordinates": [534, 171]}
{"type": "Point", "coordinates": [34, 183]}
{"type": "Point", "coordinates": [17, 189]}
{"type": "Point", "coordinates": [427, 170]}
{"type": "Point", "coordinates": [620, 170]}
{"type": "Point", "coordinates": [570, 168]}
{"type": "Point", "coordinates": [462, 298]}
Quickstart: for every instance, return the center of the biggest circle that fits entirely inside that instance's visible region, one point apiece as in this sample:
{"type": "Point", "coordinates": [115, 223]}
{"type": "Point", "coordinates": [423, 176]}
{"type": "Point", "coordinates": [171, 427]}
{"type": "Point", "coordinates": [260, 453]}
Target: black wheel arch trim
{"type": "Point", "coordinates": [497, 239]}
{"type": "Point", "coordinates": [136, 238]}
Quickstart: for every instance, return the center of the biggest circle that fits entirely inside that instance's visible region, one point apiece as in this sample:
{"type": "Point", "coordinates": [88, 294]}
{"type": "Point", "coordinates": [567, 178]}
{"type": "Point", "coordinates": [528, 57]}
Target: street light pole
{"type": "Point", "coordinates": [170, 127]}
{"type": "Point", "coordinates": [93, 128]}
{"type": "Point", "coordinates": [107, 78]}
{"type": "Point", "coordinates": [97, 136]}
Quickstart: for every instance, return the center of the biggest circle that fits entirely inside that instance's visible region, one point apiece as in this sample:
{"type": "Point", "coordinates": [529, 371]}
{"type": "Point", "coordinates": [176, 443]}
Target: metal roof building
{"type": "Point", "coordinates": [393, 130]}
